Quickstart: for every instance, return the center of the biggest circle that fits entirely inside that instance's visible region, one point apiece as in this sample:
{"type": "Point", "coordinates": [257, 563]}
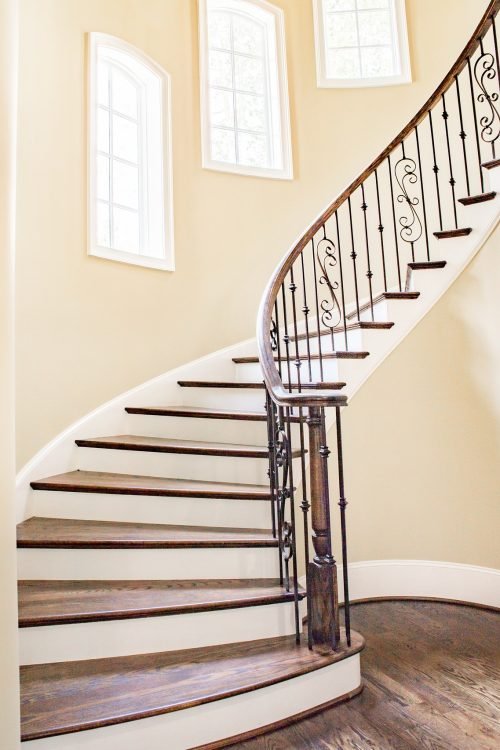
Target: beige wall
{"type": "Point", "coordinates": [87, 328]}
{"type": "Point", "coordinates": [423, 434]}
{"type": "Point", "coordinates": [9, 673]}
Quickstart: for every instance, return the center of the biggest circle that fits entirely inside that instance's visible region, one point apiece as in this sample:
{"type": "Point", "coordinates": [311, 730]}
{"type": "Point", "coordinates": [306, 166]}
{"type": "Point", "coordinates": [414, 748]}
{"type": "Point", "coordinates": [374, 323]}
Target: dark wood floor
{"type": "Point", "coordinates": [432, 682]}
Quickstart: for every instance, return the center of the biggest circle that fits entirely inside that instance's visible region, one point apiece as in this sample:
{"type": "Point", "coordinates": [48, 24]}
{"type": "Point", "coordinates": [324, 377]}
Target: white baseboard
{"type": "Point", "coordinates": [372, 579]}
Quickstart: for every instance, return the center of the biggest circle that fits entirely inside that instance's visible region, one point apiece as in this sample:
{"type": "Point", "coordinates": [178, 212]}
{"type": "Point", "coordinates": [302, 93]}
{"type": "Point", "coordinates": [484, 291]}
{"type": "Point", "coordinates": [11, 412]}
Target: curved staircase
{"type": "Point", "coordinates": [159, 594]}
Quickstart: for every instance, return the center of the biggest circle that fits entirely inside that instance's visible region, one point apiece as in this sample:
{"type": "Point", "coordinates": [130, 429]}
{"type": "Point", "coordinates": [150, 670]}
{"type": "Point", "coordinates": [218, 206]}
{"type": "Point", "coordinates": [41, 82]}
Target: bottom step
{"type": "Point", "coordinates": [179, 694]}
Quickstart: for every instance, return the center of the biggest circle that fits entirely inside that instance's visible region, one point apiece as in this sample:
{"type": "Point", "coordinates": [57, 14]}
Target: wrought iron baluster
{"type": "Point", "coordinates": [396, 243]}
{"type": "Point", "coordinates": [343, 528]}
{"type": "Point", "coordinates": [331, 314]}
{"type": "Point", "coordinates": [278, 338]}
{"type": "Point", "coordinates": [484, 72]}
{"type": "Point", "coordinates": [424, 207]}
{"type": "Point", "coordinates": [463, 134]}
{"type": "Point", "coordinates": [369, 273]}
{"type": "Point", "coordinates": [306, 311]}
{"type": "Point", "coordinates": [320, 353]}
{"type": "Point", "coordinates": [298, 362]}
{"type": "Point", "coordinates": [381, 230]}
{"type": "Point", "coordinates": [411, 225]}
{"type": "Point", "coordinates": [354, 255]}
{"type": "Point", "coordinates": [476, 125]}
{"type": "Point", "coordinates": [341, 281]}
{"type": "Point", "coordinates": [435, 169]}
{"type": "Point", "coordinates": [453, 182]}
{"type": "Point", "coordinates": [292, 535]}
{"type": "Point", "coordinates": [286, 336]}
{"type": "Point", "coordinates": [271, 447]}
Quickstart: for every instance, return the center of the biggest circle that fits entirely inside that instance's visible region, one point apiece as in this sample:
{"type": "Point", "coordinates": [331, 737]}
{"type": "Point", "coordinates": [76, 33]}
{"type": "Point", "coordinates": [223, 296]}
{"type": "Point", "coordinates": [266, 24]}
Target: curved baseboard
{"type": "Point", "coordinates": [423, 579]}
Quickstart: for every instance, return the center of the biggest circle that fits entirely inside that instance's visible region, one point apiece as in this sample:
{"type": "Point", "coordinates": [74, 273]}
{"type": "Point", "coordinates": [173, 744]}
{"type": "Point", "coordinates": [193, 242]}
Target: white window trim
{"type": "Point", "coordinates": [286, 172]}
{"type": "Point", "coordinates": [167, 262]}
{"type": "Point", "coordinates": [403, 49]}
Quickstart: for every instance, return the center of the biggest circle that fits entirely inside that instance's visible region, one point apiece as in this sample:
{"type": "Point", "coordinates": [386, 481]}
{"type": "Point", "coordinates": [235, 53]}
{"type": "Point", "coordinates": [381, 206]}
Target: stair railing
{"type": "Point", "coordinates": [328, 286]}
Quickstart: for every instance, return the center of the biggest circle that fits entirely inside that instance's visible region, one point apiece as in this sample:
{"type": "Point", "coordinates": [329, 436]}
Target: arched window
{"type": "Point", "coordinates": [244, 93]}
{"type": "Point", "coordinates": [361, 42]}
{"type": "Point", "coordinates": [130, 191]}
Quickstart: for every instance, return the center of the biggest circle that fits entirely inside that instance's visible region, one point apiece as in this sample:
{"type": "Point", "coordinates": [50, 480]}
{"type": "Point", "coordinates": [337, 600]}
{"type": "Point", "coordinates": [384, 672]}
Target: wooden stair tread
{"type": "Point", "coordinates": [200, 412]}
{"type": "Point", "coordinates": [131, 484]}
{"type": "Point", "coordinates": [491, 164]}
{"type": "Point", "coordinates": [427, 265]}
{"type": "Point", "coordinates": [176, 446]}
{"type": "Point", "coordinates": [381, 298]}
{"type": "Point", "coordinates": [335, 386]}
{"type": "Point", "coordinates": [449, 234]}
{"type": "Point", "coordinates": [74, 696]}
{"type": "Point", "coordinates": [305, 358]}
{"type": "Point", "coordinates": [64, 602]}
{"type": "Point", "coordinates": [54, 533]}
{"type": "Point", "coordinates": [481, 198]}
{"type": "Point", "coordinates": [363, 325]}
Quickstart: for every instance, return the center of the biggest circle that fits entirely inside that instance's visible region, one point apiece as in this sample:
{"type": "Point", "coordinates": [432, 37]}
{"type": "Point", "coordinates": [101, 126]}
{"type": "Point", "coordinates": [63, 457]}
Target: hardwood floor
{"type": "Point", "coordinates": [432, 682]}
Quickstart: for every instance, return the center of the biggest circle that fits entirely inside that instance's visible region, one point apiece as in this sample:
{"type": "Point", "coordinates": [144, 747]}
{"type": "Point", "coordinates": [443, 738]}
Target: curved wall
{"type": "Point", "coordinates": [87, 328]}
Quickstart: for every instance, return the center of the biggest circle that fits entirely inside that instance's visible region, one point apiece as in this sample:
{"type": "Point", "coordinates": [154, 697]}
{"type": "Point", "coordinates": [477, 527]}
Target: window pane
{"type": "Point", "coordinates": [248, 36]}
{"type": "Point", "coordinates": [375, 27]}
{"type": "Point", "coordinates": [103, 178]}
{"type": "Point", "coordinates": [223, 145]}
{"type": "Point", "coordinates": [125, 185]}
{"type": "Point", "coordinates": [250, 112]}
{"type": "Point", "coordinates": [219, 30]}
{"type": "Point", "coordinates": [125, 139]}
{"type": "Point", "coordinates": [125, 94]}
{"type": "Point", "coordinates": [103, 84]}
{"type": "Point", "coordinates": [103, 238]}
{"type": "Point", "coordinates": [252, 150]}
{"type": "Point", "coordinates": [341, 30]}
{"type": "Point", "coordinates": [103, 130]}
{"type": "Point", "coordinates": [330, 5]}
{"type": "Point", "coordinates": [125, 230]}
{"type": "Point", "coordinates": [377, 62]}
{"type": "Point", "coordinates": [221, 108]}
{"type": "Point", "coordinates": [343, 63]}
{"type": "Point", "coordinates": [220, 72]}
{"type": "Point", "coordinates": [249, 74]}
{"type": "Point", "coordinates": [367, 4]}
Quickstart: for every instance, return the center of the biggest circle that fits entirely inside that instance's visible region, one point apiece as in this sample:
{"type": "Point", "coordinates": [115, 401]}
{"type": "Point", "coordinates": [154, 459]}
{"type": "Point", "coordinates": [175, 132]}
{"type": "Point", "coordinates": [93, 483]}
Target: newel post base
{"type": "Point", "coordinates": [322, 595]}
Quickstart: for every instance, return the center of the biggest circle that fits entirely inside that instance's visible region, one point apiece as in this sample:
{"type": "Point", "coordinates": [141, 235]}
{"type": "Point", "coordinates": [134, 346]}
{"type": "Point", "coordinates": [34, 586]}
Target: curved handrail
{"type": "Point", "coordinates": [272, 377]}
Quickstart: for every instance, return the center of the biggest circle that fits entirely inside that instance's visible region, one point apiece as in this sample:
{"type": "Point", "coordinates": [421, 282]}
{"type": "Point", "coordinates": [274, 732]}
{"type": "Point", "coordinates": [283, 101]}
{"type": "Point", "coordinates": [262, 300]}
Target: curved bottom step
{"type": "Point", "coordinates": [186, 699]}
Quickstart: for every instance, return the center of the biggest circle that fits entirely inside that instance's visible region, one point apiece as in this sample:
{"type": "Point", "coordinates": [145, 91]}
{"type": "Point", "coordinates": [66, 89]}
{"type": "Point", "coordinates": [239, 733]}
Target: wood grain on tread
{"type": "Point", "coordinates": [131, 484]}
{"type": "Point", "coordinates": [61, 533]}
{"type": "Point", "coordinates": [431, 673]}
{"type": "Point", "coordinates": [363, 325]}
{"type": "Point", "coordinates": [381, 298]}
{"type": "Point", "coordinates": [492, 164]}
{"type": "Point", "coordinates": [173, 445]}
{"type": "Point", "coordinates": [305, 357]}
{"type": "Point", "coordinates": [64, 602]}
{"type": "Point", "coordinates": [334, 386]}
{"type": "Point", "coordinates": [449, 234]}
{"type": "Point", "coordinates": [199, 412]}
{"type": "Point", "coordinates": [471, 200]}
{"type": "Point", "coordinates": [74, 696]}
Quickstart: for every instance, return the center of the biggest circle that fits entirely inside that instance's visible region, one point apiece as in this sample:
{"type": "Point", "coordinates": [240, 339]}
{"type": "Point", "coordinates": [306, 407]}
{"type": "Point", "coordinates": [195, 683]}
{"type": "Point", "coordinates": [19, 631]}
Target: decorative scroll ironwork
{"type": "Point", "coordinates": [273, 333]}
{"type": "Point", "coordinates": [405, 172]}
{"type": "Point", "coordinates": [331, 314]}
{"type": "Point", "coordinates": [484, 71]}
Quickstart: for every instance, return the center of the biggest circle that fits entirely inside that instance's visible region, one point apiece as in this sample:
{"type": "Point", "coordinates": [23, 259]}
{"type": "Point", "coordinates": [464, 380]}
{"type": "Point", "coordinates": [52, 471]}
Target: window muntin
{"type": "Point", "coordinates": [361, 42]}
{"type": "Point", "coordinates": [245, 118]}
{"type": "Point", "coordinates": [130, 195]}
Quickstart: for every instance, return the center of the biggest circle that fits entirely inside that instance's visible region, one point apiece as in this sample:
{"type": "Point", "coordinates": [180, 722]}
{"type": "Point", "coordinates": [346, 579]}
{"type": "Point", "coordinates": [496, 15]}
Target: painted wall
{"type": "Point", "coordinates": [9, 674]}
{"type": "Point", "coordinates": [423, 434]}
{"type": "Point", "coordinates": [88, 329]}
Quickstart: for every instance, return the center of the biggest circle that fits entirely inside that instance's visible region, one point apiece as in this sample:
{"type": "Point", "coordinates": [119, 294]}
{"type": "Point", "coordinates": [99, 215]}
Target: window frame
{"type": "Point", "coordinates": [285, 172]}
{"type": "Point", "coordinates": [402, 48]}
{"type": "Point", "coordinates": [163, 177]}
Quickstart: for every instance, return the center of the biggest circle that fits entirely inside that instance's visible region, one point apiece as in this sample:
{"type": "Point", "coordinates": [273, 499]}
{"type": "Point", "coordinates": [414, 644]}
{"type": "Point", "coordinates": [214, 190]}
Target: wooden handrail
{"type": "Point", "coordinates": [266, 356]}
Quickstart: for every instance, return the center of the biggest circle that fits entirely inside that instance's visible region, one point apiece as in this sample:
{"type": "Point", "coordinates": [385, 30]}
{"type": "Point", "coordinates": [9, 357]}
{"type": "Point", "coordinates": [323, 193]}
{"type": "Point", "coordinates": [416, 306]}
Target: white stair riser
{"type": "Point", "coordinates": [147, 564]}
{"type": "Point", "coordinates": [219, 719]}
{"type": "Point", "coordinates": [239, 399]}
{"type": "Point", "coordinates": [147, 509]}
{"type": "Point", "coordinates": [219, 430]}
{"type": "Point", "coordinates": [144, 635]}
{"type": "Point", "coordinates": [330, 372]}
{"type": "Point", "coordinates": [188, 466]}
